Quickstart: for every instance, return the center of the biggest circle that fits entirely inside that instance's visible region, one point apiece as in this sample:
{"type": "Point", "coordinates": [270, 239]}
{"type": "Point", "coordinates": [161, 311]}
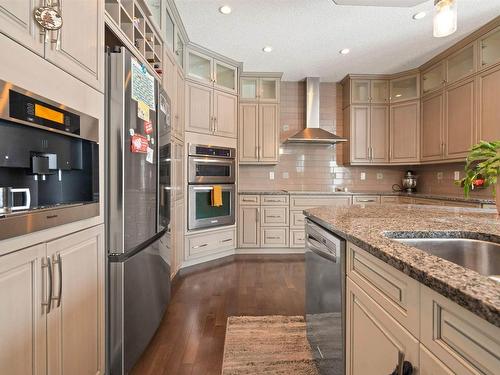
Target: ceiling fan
{"type": "Point", "coordinates": [445, 16]}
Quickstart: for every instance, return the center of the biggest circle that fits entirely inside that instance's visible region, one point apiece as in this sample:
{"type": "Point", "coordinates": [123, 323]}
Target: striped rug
{"type": "Point", "coordinates": [267, 345]}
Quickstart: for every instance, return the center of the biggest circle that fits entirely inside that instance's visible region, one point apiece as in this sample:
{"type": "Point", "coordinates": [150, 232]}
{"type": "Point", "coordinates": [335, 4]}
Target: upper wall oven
{"type": "Point", "coordinates": [209, 164]}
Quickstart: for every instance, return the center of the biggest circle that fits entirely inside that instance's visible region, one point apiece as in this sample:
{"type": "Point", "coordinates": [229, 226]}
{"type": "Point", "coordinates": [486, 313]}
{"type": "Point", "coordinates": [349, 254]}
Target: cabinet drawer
{"type": "Point", "coordinates": [396, 292]}
{"type": "Point", "coordinates": [297, 238]}
{"type": "Point", "coordinates": [462, 340]}
{"type": "Point", "coordinates": [274, 200]}
{"type": "Point", "coordinates": [461, 204]}
{"type": "Point", "coordinates": [389, 199]}
{"type": "Point", "coordinates": [430, 365]}
{"type": "Point", "coordinates": [250, 200]}
{"type": "Point", "coordinates": [431, 202]}
{"type": "Point", "coordinates": [297, 219]}
{"type": "Point", "coordinates": [210, 243]}
{"type": "Point", "coordinates": [406, 200]}
{"type": "Point", "coordinates": [302, 202]}
{"type": "Point", "coordinates": [274, 237]}
{"type": "Point", "coordinates": [368, 199]}
{"type": "Point", "coordinates": [274, 216]}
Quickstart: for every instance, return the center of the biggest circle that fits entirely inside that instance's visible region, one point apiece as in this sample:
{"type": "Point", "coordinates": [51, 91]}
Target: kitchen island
{"type": "Point", "coordinates": [443, 317]}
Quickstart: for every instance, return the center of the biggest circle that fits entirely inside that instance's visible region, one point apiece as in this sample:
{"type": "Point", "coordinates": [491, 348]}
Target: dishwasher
{"type": "Point", "coordinates": [325, 298]}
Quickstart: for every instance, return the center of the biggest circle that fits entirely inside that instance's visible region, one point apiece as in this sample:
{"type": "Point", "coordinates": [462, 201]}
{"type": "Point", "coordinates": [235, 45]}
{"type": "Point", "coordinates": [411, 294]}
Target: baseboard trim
{"type": "Point", "coordinates": [207, 258]}
{"type": "Point", "coordinates": [275, 250]}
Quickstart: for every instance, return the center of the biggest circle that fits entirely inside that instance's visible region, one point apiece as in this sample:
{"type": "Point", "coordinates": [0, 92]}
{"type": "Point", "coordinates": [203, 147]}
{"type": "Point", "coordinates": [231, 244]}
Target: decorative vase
{"type": "Point", "coordinates": [497, 195]}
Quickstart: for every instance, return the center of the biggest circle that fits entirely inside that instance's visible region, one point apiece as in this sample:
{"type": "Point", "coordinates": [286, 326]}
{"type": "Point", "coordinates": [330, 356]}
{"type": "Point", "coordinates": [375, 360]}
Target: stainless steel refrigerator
{"type": "Point", "coordinates": [137, 208]}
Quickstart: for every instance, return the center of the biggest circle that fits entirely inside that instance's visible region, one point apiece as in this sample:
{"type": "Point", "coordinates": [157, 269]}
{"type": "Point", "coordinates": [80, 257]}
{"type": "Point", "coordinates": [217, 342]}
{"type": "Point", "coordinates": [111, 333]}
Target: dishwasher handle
{"type": "Point", "coordinates": [316, 247]}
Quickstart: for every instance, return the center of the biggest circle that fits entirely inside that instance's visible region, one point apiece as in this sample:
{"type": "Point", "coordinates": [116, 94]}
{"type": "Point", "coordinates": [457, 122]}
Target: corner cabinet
{"type": "Point", "coordinates": [259, 118]}
{"type": "Point", "coordinates": [79, 53]}
{"type": "Point", "coordinates": [63, 335]}
{"type": "Point", "coordinates": [210, 111]}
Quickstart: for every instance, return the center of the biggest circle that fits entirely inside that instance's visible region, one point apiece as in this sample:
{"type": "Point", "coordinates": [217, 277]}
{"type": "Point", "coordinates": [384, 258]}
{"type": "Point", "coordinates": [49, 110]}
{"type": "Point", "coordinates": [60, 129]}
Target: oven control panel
{"type": "Point", "coordinates": [207, 150]}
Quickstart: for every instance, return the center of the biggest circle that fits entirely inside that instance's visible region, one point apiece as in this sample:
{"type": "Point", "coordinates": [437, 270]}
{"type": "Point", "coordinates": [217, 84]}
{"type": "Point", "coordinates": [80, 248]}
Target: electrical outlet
{"type": "Point", "coordinates": [457, 175]}
{"type": "Point", "coordinates": [271, 175]}
{"type": "Point", "coordinates": [286, 127]}
{"type": "Point", "coordinates": [285, 174]}
{"type": "Point", "coordinates": [363, 176]}
{"type": "Point", "coordinates": [440, 175]}
{"type": "Point", "coordinates": [380, 176]}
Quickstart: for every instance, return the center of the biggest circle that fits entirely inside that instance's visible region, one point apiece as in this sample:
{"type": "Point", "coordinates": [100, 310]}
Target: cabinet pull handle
{"type": "Point", "coordinates": [58, 261]}
{"type": "Point", "coordinates": [365, 200]}
{"type": "Point", "coordinates": [202, 245]}
{"type": "Point", "coordinates": [226, 240]}
{"type": "Point", "coordinates": [403, 367]}
{"type": "Point", "coordinates": [272, 238]}
{"type": "Point", "coordinates": [48, 264]}
{"type": "Point", "coordinates": [274, 216]}
{"type": "Point", "coordinates": [248, 200]}
{"type": "Point", "coordinates": [257, 217]}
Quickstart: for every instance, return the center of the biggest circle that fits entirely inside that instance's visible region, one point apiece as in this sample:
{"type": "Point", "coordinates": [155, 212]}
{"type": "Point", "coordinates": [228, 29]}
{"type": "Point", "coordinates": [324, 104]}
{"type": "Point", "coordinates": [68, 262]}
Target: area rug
{"type": "Point", "coordinates": [267, 345]}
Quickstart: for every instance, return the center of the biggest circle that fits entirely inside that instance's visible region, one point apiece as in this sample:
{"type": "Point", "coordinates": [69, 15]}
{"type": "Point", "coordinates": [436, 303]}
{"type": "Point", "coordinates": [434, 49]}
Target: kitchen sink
{"type": "Point", "coordinates": [480, 256]}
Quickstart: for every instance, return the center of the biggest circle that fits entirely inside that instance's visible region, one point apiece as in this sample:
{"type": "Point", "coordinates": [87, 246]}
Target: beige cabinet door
{"type": "Point", "coordinates": [225, 114]}
{"type": "Point", "coordinates": [178, 170]}
{"type": "Point", "coordinates": [18, 23]}
{"type": "Point", "coordinates": [81, 50]}
{"type": "Point", "coordinates": [225, 77]}
{"type": "Point", "coordinates": [199, 118]}
{"type": "Point", "coordinates": [179, 117]}
{"type": "Point", "coordinates": [249, 227]}
{"type": "Point", "coordinates": [373, 338]}
{"type": "Point", "coordinates": [379, 91]}
{"type": "Point", "coordinates": [405, 132]}
{"type": "Point", "coordinates": [488, 127]}
{"type": "Point", "coordinates": [360, 134]}
{"type": "Point", "coordinates": [433, 79]}
{"type": "Point", "coordinates": [249, 132]}
{"type": "Point", "coordinates": [432, 146]}
{"type": "Point", "coordinates": [431, 365]}
{"type": "Point", "coordinates": [360, 91]}
{"type": "Point", "coordinates": [459, 120]}
{"type": "Point", "coordinates": [379, 133]}
{"type": "Point", "coordinates": [22, 317]}
{"type": "Point", "coordinates": [268, 133]}
{"type": "Point", "coordinates": [169, 79]}
{"type": "Point", "coordinates": [75, 325]}
{"type": "Point", "coordinates": [177, 232]}
{"type": "Point", "coordinates": [269, 90]}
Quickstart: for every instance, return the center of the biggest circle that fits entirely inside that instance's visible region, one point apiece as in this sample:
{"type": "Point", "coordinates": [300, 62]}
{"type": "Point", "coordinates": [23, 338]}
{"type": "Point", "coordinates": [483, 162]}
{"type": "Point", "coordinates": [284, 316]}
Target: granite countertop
{"type": "Point", "coordinates": [455, 198]}
{"type": "Point", "coordinates": [365, 227]}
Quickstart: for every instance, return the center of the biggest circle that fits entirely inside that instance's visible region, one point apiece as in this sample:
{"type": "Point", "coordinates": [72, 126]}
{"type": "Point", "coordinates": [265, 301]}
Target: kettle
{"type": "Point", "coordinates": [7, 199]}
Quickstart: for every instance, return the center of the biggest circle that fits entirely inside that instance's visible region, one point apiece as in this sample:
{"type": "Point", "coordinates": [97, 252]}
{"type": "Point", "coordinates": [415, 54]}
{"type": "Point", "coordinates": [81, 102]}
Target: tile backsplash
{"type": "Point", "coordinates": [319, 167]}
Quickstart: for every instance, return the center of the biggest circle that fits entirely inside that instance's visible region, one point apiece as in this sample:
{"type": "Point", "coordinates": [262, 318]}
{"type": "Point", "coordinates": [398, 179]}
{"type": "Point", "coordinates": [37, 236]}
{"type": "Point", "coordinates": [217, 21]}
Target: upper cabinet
{"type": "Point", "coordinates": [461, 64]}
{"type": "Point", "coordinates": [17, 22]}
{"type": "Point", "coordinates": [433, 79]}
{"type": "Point", "coordinates": [259, 89]}
{"type": "Point", "coordinates": [360, 91]}
{"type": "Point", "coordinates": [207, 70]}
{"type": "Point", "coordinates": [489, 47]}
{"type": "Point", "coordinates": [488, 126]}
{"type": "Point", "coordinates": [379, 91]}
{"type": "Point", "coordinates": [404, 88]}
{"type": "Point", "coordinates": [80, 54]}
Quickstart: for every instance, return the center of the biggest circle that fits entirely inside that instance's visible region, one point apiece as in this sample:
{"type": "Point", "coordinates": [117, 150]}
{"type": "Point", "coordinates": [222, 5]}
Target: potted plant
{"type": "Point", "coordinates": [482, 168]}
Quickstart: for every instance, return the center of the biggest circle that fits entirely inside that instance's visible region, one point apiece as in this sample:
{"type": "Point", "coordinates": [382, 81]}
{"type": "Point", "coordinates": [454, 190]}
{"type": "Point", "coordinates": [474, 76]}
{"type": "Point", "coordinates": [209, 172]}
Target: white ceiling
{"type": "Point", "coordinates": [306, 35]}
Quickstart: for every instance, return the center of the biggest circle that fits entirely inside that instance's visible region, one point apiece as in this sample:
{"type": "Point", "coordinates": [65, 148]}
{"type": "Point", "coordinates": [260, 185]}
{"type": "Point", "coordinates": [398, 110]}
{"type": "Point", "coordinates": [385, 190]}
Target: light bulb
{"type": "Point", "coordinates": [445, 19]}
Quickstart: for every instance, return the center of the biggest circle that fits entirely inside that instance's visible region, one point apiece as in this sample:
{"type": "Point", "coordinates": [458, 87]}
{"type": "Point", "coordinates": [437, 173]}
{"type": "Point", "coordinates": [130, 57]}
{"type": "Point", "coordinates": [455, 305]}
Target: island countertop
{"type": "Point", "coordinates": [367, 226]}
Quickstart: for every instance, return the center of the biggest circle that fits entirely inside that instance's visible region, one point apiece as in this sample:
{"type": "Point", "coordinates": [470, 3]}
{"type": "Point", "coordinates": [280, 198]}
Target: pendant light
{"type": "Point", "coordinates": [445, 18]}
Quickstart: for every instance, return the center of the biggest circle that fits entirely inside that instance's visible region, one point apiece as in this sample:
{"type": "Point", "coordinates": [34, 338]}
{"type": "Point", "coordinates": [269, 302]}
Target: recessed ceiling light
{"type": "Point", "coordinates": [344, 51]}
{"type": "Point", "coordinates": [267, 49]}
{"type": "Point", "coordinates": [419, 15]}
{"type": "Point", "coordinates": [225, 9]}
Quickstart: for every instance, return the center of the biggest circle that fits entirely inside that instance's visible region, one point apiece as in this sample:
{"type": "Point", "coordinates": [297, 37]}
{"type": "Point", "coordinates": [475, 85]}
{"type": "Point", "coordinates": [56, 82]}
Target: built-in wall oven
{"type": "Point", "coordinates": [209, 168]}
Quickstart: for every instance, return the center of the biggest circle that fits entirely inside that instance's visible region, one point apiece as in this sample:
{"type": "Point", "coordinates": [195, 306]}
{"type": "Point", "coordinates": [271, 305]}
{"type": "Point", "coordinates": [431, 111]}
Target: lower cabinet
{"type": "Point", "coordinates": [249, 227]}
{"type": "Point", "coordinates": [431, 365]}
{"type": "Point", "coordinates": [52, 315]}
{"type": "Point", "coordinates": [201, 245]}
{"type": "Point", "coordinates": [375, 341]}
{"type": "Point", "coordinates": [274, 237]}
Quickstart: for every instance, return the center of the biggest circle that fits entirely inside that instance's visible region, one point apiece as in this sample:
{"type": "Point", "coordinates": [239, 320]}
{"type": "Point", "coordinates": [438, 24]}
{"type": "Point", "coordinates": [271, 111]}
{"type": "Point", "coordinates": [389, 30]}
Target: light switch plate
{"type": "Point", "coordinates": [286, 127]}
{"type": "Point", "coordinates": [380, 176]}
{"type": "Point", "coordinates": [363, 176]}
{"type": "Point", "coordinates": [457, 175]}
{"type": "Point", "coordinates": [285, 174]}
{"type": "Point", "coordinates": [440, 175]}
{"type": "Point", "coordinates": [271, 175]}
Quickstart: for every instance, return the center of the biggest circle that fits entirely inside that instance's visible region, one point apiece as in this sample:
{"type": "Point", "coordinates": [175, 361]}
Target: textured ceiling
{"type": "Point", "coordinates": [306, 35]}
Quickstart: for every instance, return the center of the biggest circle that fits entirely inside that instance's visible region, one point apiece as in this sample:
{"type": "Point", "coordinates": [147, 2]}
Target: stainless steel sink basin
{"type": "Point", "coordinates": [480, 256]}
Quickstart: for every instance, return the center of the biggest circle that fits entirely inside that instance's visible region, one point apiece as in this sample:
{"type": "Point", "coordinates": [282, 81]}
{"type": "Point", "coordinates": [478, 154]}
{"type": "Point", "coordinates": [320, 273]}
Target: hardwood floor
{"type": "Point", "coordinates": [190, 339]}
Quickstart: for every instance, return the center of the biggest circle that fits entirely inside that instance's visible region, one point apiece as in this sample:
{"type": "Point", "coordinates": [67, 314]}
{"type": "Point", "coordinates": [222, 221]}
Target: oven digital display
{"type": "Point", "coordinates": [49, 114]}
{"type": "Point", "coordinates": [213, 151]}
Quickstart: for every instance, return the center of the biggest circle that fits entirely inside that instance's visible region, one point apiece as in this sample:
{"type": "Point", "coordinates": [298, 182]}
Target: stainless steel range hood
{"type": "Point", "coordinates": [313, 133]}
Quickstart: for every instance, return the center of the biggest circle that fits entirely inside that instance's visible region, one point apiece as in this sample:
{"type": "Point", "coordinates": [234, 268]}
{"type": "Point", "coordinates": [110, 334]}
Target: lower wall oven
{"type": "Point", "coordinates": [202, 214]}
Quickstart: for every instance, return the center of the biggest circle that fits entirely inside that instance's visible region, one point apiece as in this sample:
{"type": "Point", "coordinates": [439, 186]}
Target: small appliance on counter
{"type": "Point", "coordinates": [409, 183]}
{"type": "Point", "coordinates": [49, 163]}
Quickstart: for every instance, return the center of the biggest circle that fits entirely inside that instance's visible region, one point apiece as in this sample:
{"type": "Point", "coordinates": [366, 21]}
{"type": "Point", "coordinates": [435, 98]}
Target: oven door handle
{"type": "Point", "coordinates": [210, 161]}
{"type": "Point", "coordinates": [315, 247]}
{"type": "Point", "coordinates": [203, 188]}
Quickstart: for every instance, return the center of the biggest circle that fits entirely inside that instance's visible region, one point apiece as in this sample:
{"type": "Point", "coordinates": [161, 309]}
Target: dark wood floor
{"type": "Point", "coordinates": [190, 339]}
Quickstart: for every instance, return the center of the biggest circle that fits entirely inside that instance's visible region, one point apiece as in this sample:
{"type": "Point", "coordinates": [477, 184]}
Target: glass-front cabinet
{"type": "Point", "coordinates": [179, 50]}
{"type": "Point", "coordinates": [379, 91]}
{"type": "Point", "coordinates": [262, 89]}
{"type": "Point", "coordinates": [460, 65]}
{"type": "Point", "coordinates": [169, 30]}
{"type": "Point", "coordinates": [490, 48]}
{"type": "Point", "coordinates": [210, 71]}
{"type": "Point", "coordinates": [433, 79]}
{"type": "Point", "coordinates": [404, 88]}
{"type": "Point", "coordinates": [360, 91]}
